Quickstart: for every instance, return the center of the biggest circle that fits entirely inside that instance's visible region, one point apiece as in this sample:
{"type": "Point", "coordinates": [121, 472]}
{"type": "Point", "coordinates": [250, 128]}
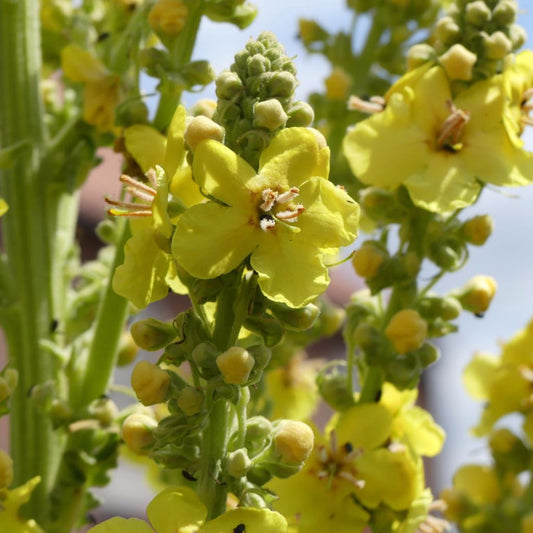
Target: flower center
{"type": "Point", "coordinates": [141, 191]}
{"type": "Point", "coordinates": [337, 462]}
{"type": "Point", "coordinates": [279, 207]}
{"type": "Point", "coordinates": [451, 130]}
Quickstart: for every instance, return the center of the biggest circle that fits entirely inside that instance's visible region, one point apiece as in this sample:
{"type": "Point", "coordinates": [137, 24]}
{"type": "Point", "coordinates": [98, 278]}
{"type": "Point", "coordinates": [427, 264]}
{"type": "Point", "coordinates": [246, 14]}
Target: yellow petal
{"type": "Point", "coordinates": [79, 65]}
{"type": "Point", "coordinates": [175, 150]}
{"type": "Point", "coordinates": [249, 520]}
{"type": "Point", "coordinates": [146, 145]}
{"type": "Point", "coordinates": [122, 525]}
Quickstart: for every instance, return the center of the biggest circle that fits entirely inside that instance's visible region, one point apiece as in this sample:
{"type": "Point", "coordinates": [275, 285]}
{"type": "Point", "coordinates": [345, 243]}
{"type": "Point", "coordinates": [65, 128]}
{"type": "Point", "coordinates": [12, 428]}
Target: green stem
{"type": "Point", "coordinates": [35, 447]}
{"type": "Point", "coordinates": [372, 384]}
{"type": "Point", "coordinates": [242, 407]}
{"type": "Point", "coordinates": [181, 53]}
{"type": "Point", "coordinates": [109, 324]}
{"type": "Point", "coordinates": [212, 492]}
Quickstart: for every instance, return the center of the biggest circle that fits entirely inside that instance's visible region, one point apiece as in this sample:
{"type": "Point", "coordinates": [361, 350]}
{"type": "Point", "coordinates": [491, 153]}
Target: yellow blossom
{"type": "Point", "coordinates": [168, 17]}
{"type": "Point", "coordinates": [439, 147]}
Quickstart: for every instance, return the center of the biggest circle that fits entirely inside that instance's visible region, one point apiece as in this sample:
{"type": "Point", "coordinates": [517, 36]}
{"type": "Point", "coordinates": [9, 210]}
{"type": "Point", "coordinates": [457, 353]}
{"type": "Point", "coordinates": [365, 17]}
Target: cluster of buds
{"type": "Point", "coordinates": [255, 97]}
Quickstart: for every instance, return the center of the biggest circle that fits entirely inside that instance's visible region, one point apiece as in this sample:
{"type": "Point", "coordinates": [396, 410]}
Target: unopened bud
{"type": "Point", "coordinates": [497, 45]}
{"type": "Point", "coordinates": [338, 84]}
{"type": "Point", "coordinates": [204, 106]}
{"type": "Point", "coordinates": [282, 84]}
{"type": "Point", "coordinates": [238, 463]}
{"type": "Point", "coordinates": [151, 334]}
{"type": "Point", "coordinates": [458, 62]}
{"type": "Point", "coordinates": [293, 441]}
{"type": "Point", "coordinates": [127, 349]}
{"type": "Point", "coordinates": [204, 356]}
{"type": "Point", "coordinates": [518, 36]}
{"type": "Point", "coordinates": [301, 114]}
{"type": "Point", "coordinates": [235, 365]}
{"type": "Point", "coordinates": [505, 12]}
{"type": "Point", "coordinates": [477, 294]}
{"type": "Point", "coordinates": [5, 390]}
{"type": "Point", "coordinates": [477, 13]}
{"type": "Point", "coordinates": [368, 259]}
{"type": "Point", "coordinates": [150, 383]}
{"type": "Point", "coordinates": [201, 129]}
{"type": "Point", "coordinates": [104, 410]}
{"type": "Point", "coordinates": [190, 400]}
{"type": "Point", "coordinates": [419, 54]}
{"type": "Point", "coordinates": [138, 432]}
{"type": "Point", "coordinates": [406, 330]}
{"type": "Point", "coordinates": [478, 229]}
{"type": "Point", "coordinates": [6, 470]}
{"type": "Point", "coordinates": [269, 114]}
{"type": "Point", "coordinates": [298, 319]}
{"type": "Point", "coordinates": [447, 30]}
{"type": "Point", "coordinates": [168, 17]}
{"type": "Point", "coordinates": [258, 428]}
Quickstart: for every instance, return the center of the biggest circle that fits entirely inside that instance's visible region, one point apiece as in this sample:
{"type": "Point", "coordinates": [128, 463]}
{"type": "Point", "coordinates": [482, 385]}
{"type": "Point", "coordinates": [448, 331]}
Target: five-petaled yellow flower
{"type": "Point", "coordinates": [285, 216]}
{"type": "Point", "coordinates": [441, 148]}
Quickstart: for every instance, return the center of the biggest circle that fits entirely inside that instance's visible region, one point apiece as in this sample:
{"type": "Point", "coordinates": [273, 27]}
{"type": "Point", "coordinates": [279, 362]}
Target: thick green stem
{"type": "Point", "coordinates": [372, 384]}
{"type": "Point", "coordinates": [34, 446]}
{"type": "Point", "coordinates": [108, 328]}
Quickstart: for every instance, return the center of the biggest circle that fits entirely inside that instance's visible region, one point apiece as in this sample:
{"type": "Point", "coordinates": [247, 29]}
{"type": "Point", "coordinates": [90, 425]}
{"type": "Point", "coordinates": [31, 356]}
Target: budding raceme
{"type": "Point", "coordinates": [406, 330]}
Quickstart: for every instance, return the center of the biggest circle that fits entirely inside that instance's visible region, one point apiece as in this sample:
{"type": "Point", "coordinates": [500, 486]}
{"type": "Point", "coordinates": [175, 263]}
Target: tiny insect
{"type": "Point", "coordinates": [188, 476]}
{"type": "Point", "coordinates": [240, 528]}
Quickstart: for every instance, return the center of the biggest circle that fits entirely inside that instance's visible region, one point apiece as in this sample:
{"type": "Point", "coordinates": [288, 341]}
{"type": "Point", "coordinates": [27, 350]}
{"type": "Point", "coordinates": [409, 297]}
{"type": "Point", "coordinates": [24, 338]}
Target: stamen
{"type": "Point", "coordinates": [375, 105]}
{"type": "Point", "coordinates": [140, 194]}
{"type": "Point", "coordinates": [451, 129]}
{"type": "Point", "coordinates": [285, 197]}
{"type": "Point", "coordinates": [266, 222]}
{"type": "Point", "coordinates": [126, 205]}
{"type": "Point", "coordinates": [269, 199]}
{"type": "Point", "coordinates": [359, 483]}
{"type": "Point", "coordinates": [291, 214]}
{"type": "Point", "coordinates": [139, 213]}
{"type": "Point", "coordinates": [526, 372]}
{"type": "Point", "coordinates": [152, 177]}
{"type": "Point", "coordinates": [137, 185]}
{"type": "Point", "coordinates": [396, 447]}
{"type": "Point", "coordinates": [527, 95]}
{"type": "Point", "coordinates": [323, 455]}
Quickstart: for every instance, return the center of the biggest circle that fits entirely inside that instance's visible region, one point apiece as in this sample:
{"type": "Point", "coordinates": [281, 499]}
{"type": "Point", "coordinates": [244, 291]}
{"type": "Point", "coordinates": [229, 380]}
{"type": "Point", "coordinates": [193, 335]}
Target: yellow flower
{"type": "Point", "coordinates": [440, 148]}
{"type": "Point", "coordinates": [337, 84]}
{"type": "Point", "coordinates": [285, 217]}
{"type": "Point", "coordinates": [10, 502]}
{"type": "Point", "coordinates": [168, 17]}
{"type": "Point", "coordinates": [101, 88]}
{"type": "Point", "coordinates": [350, 472]}
{"type": "Point", "coordinates": [179, 510]}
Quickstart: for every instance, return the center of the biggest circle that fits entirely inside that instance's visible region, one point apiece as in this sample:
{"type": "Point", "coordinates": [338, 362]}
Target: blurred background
{"type": "Point", "coordinates": [508, 255]}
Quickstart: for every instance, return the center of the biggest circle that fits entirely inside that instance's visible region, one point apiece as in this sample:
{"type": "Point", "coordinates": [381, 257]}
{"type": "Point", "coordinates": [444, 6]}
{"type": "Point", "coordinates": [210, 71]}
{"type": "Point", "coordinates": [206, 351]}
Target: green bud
{"type": "Point", "coordinates": [138, 433]}
{"type": "Point", "coordinates": [269, 114]}
{"type": "Point", "coordinates": [5, 390]}
{"type": "Point", "coordinates": [509, 451]}
{"type": "Point", "coordinates": [106, 230]}
{"type": "Point", "coordinates": [282, 84]}
{"type": "Point", "coordinates": [261, 355]}
{"type": "Point", "coordinates": [497, 45]}
{"type": "Point", "coordinates": [228, 85]}
{"type": "Point", "coordinates": [60, 413]}
{"type": "Point", "coordinates": [447, 31]}
{"type": "Point", "coordinates": [403, 371]}
{"type": "Point", "coordinates": [197, 73]}
{"type": "Point", "coordinates": [151, 334]}
{"type": "Point", "coordinates": [427, 354]}
{"type": "Point", "coordinates": [190, 400]}
{"type": "Point", "coordinates": [155, 61]}
{"type": "Point", "coordinates": [334, 390]}
{"type": "Point", "coordinates": [447, 253]}
{"type": "Point", "coordinates": [104, 410]}
{"type": "Point", "coordinates": [381, 205]}
{"type": "Point", "coordinates": [505, 12]}
{"type": "Point", "coordinates": [131, 112]}
{"type": "Point", "coordinates": [478, 229]}
{"type": "Point", "coordinates": [301, 114]}
{"type": "Point", "coordinates": [270, 330]}
{"type": "Point", "coordinates": [419, 54]}
{"type": "Point", "coordinates": [518, 36]}
{"type": "Point", "coordinates": [258, 428]}
{"type": "Point", "coordinates": [257, 64]}
{"type": "Point", "coordinates": [204, 356]}
{"type": "Point", "coordinates": [369, 338]}
{"type": "Point", "coordinates": [297, 319]}
{"type": "Point", "coordinates": [259, 475]}
{"type": "Point", "coordinates": [477, 13]}
{"type": "Point", "coordinates": [447, 308]}
{"type": "Point", "coordinates": [238, 463]}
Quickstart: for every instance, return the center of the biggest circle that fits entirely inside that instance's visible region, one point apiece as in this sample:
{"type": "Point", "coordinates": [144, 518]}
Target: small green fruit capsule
{"type": "Point", "coordinates": [204, 357]}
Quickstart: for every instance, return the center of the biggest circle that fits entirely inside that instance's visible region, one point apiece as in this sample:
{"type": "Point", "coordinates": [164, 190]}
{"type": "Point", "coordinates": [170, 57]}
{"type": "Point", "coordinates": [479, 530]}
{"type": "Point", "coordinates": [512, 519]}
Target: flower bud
{"type": "Point", "coordinates": [127, 349]}
{"type": "Point", "coordinates": [427, 354]}
{"type": "Point", "coordinates": [168, 17]}
{"type": "Point", "coordinates": [235, 365]}
{"type": "Point", "coordinates": [205, 107]}
{"type": "Point", "coordinates": [301, 114]}
{"type": "Point", "coordinates": [458, 62]}
{"type": "Point", "coordinates": [151, 334]}
{"type": "Point", "coordinates": [282, 84]}
{"type": "Point", "coordinates": [369, 258]}
{"type": "Point", "coordinates": [297, 319]}
{"type": "Point", "coordinates": [333, 389]}
{"type": "Point", "coordinates": [477, 294]}
{"type": "Point", "coordinates": [257, 64]}
{"type": "Point", "coordinates": [201, 129]}
{"type": "Point", "coordinates": [518, 36]}
{"type": "Point", "coordinates": [368, 338]}
{"type": "Point", "coordinates": [269, 114]}
{"type": "Point", "coordinates": [197, 73]}
{"type": "Point", "coordinates": [5, 390]}
{"type": "Point", "coordinates": [138, 432]}
{"type": "Point", "coordinates": [204, 356]}
{"type": "Point", "coordinates": [6, 470]}
{"type": "Point", "coordinates": [338, 84]}
{"type": "Point", "coordinates": [447, 30]}
{"type": "Point", "coordinates": [191, 400]}
{"type": "Point", "coordinates": [497, 45]}
{"type": "Point", "coordinates": [477, 13]}
{"type": "Point", "coordinates": [509, 452]}
{"type": "Point", "coordinates": [293, 441]}
{"type": "Point", "coordinates": [150, 383]}
{"type": "Point", "coordinates": [60, 413]}
{"type": "Point", "coordinates": [406, 330]}
{"type": "Point", "coordinates": [238, 463]}
{"type": "Point", "coordinates": [258, 428]}
{"type": "Point", "coordinates": [478, 229]}
{"type": "Point", "coordinates": [505, 12]}
{"type": "Point", "coordinates": [381, 205]}
{"type": "Point", "coordinates": [446, 308]}
{"type": "Point", "coordinates": [419, 54]}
